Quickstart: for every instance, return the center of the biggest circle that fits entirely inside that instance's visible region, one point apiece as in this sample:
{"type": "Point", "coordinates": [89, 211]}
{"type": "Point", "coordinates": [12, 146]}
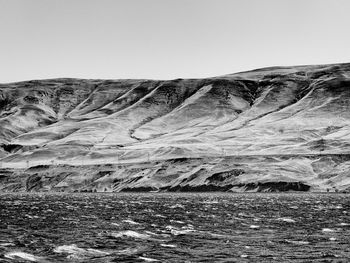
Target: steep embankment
{"type": "Point", "coordinates": [269, 129]}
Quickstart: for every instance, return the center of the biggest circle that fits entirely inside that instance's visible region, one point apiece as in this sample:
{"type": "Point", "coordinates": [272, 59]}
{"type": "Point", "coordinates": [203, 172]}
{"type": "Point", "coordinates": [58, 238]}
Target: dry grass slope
{"type": "Point", "coordinates": [272, 129]}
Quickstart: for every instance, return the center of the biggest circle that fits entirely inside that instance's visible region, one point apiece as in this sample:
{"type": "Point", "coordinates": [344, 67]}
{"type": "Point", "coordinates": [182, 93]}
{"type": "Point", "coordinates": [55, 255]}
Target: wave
{"type": "Point", "coordinates": [286, 219]}
{"type": "Point", "coordinates": [76, 252]}
{"type": "Point", "coordinates": [129, 233]}
{"type": "Point", "coordinates": [22, 255]}
{"type": "Point", "coordinates": [130, 222]}
{"type": "Point", "coordinates": [149, 259]}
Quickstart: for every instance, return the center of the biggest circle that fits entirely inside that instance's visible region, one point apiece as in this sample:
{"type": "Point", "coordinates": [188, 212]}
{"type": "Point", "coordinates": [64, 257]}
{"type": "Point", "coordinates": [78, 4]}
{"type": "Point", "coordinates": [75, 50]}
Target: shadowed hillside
{"type": "Point", "coordinates": [272, 129]}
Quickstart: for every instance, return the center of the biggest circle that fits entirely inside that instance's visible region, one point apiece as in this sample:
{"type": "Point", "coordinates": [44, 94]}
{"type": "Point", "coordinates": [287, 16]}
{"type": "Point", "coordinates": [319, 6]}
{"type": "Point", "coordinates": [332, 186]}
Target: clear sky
{"type": "Point", "coordinates": [165, 39]}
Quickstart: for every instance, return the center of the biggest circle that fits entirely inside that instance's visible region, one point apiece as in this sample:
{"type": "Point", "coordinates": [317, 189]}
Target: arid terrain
{"type": "Point", "coordinates": [271, 129]}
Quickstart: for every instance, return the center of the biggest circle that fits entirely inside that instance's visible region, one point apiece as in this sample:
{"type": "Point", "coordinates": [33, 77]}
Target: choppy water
{"type": "Point", "coordinates": [172, 227]}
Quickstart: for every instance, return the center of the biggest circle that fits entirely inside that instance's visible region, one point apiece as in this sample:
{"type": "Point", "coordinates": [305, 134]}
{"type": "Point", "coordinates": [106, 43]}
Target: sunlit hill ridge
{"type": "Point", "coordinates": [271, 129]}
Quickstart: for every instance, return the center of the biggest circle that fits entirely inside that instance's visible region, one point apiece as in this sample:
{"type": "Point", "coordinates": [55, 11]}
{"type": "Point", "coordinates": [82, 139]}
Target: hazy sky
{"type": "Point", "coordinates": [165, 39]}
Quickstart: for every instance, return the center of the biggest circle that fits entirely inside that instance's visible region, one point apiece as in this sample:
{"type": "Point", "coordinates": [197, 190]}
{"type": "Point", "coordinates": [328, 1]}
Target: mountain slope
{"type": "Point", "coordinates": [281, 128]}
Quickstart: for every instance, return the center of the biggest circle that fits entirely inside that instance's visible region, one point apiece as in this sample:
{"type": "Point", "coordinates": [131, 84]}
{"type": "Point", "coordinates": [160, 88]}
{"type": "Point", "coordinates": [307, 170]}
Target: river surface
{"type": "Point", "coordinates": [175, 227]}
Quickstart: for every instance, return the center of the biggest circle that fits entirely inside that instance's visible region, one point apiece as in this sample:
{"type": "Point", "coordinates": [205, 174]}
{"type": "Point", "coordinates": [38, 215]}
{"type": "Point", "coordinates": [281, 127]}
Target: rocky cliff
{"type": "Point", "coordinates": [271, 129]}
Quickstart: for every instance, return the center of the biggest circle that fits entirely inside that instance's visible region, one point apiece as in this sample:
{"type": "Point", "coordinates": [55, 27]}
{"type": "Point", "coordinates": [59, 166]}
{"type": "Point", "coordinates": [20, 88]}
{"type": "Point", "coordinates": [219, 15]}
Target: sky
{"type": "Point", "coordinates": [167, 39]}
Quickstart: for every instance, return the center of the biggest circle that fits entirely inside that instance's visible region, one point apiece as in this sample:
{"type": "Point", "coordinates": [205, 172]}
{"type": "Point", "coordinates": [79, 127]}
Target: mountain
{"type": "Point", "coordinates": [270, 129]}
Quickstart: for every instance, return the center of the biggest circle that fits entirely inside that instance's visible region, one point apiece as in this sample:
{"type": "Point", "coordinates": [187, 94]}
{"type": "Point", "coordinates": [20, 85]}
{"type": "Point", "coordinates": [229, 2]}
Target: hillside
{"type": "Point", "coordinates": [271, 129]}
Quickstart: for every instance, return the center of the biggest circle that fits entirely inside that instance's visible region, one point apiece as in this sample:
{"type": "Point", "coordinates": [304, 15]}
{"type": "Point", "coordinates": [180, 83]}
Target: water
{"type": "Point", "coordinates": [202, 227]}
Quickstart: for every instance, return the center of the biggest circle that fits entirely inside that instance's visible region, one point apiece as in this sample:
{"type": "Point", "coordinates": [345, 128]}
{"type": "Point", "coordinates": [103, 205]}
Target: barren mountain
{"type": "Point", "coordinates": [271, 129]}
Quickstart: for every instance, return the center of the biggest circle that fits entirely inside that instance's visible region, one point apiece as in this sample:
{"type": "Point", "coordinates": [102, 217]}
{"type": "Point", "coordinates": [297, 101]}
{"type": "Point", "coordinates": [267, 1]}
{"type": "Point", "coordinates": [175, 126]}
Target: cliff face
{"type": "Point", "coordinates": [264, 130]}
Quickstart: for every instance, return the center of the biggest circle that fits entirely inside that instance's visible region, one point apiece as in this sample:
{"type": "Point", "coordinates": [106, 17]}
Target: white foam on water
{"type": "Point", "coordinates": [181, 232]}
{"type": "Point", "coordinates": [130, 222]}
{"type": "Point", "coordinates": [254, 226]}
{"type": "Point", "coordinates": [167, 245]}
{"type": "Point", "coordinates": [344, 224]}
{"type": "Point", "coordinates": [160, 216]}
{"type": "Point", "coordinates": [69, 249]}
{"type": "Point", "coordinates": [286, 219]}
{"type": "Point", "coordinates": [178, 221]}
{"type": "Point", "coordinates": [327, 230]}
{"type": "Point", "coordinates": [149, 259]}
{"type": "Point", "coordinates": [297, 242]}
{"type": "Point", "coordinates": [332, 239]}
{"type": "Point", "coordinates": [6, 244]}
{"type": "Point", "coordinates": [22, 255]}
{"type": "Point", "coordinates": [76, 252]}
{"type": "Point", "coordinates": [97, 252]}
{"type": "Point", "coordinates": [151, 233]}
{"type": "Point", "coordinates": [177, 206]}
{"type": "Point", "coordinates": [130, 233]}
